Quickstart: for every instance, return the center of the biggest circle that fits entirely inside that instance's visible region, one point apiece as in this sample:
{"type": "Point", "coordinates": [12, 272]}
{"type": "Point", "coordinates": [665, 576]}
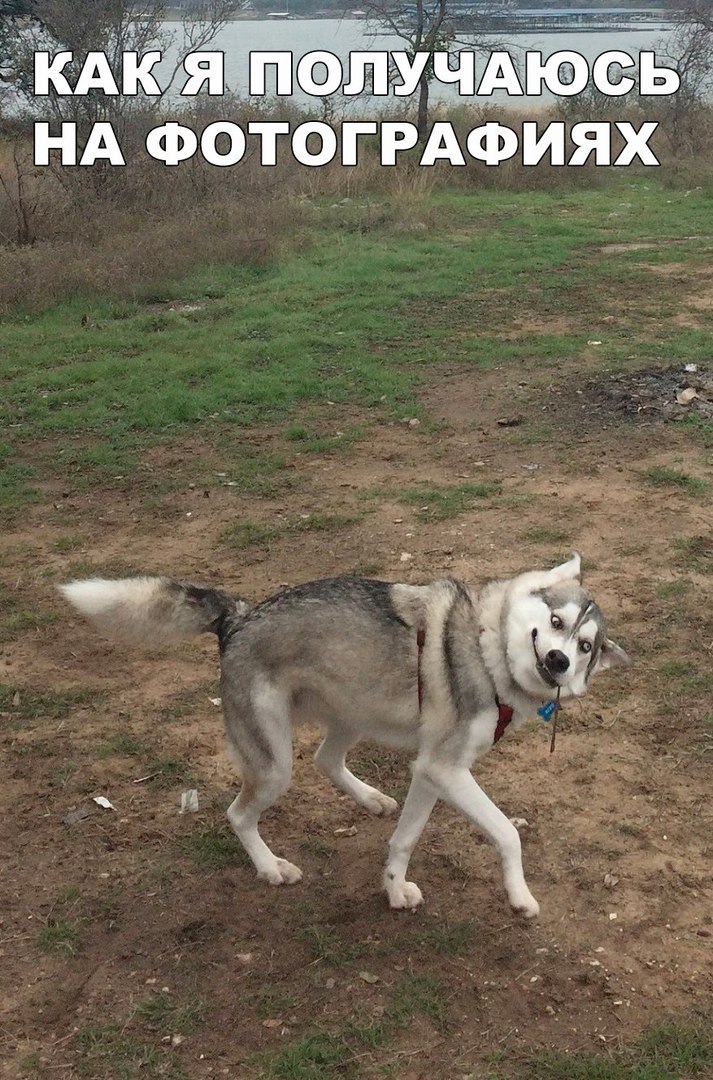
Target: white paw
{"type": "Point", "coordinates": [524, 903]}
{"type": "Point", "coordinates": [404, 894]}
{"type": "Point", "coordinates": [378, 803]}
{"type": "Point", "coordinates": [282, 873]}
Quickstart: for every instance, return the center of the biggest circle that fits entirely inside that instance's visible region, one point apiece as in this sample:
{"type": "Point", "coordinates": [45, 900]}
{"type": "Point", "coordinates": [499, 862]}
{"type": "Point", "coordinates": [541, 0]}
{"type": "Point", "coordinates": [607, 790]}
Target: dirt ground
{"type": "Point", "coordinates": [135, 941]}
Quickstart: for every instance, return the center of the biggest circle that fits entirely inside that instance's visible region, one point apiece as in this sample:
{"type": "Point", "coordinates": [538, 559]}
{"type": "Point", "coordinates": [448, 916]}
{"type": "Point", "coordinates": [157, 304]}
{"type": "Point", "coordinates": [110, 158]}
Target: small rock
{"type": "Point", "coordinates": [405, 557]}
{"type": "Point", "coordinates": [509, 421]}
{"type": "Point", "coordinates": [176, 1040]}
{"type": "Point", "coordinates": [703, 933]}
{"type": "Point", "coordinates": [414, 422]}
{"type": "Point", "coordinates": [368, 977]}
{"type": "Point", "coordinates": [610, 881]}
{"type": "Point", "coordinates": [351, 831]}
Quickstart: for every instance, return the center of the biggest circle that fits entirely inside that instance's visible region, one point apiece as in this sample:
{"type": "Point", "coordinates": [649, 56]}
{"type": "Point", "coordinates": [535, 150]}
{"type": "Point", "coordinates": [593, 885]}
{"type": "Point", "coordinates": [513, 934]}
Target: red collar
{"type": "Point", "coordinates": [504, 717]}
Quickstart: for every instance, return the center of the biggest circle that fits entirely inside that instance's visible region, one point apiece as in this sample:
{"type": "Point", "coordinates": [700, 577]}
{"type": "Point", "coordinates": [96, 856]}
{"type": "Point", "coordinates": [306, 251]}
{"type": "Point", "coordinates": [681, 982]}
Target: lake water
{"type": "Point", "coordinates": [341, 37]}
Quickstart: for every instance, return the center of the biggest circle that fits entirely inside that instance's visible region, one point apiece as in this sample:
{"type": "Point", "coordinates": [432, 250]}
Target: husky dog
{"type": "Point", "coordinates": [439, 669]}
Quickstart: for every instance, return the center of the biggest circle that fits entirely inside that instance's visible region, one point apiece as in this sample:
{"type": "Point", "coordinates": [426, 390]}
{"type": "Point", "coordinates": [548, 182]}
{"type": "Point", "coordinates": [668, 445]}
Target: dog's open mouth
{"type": "Point", "coordinates": [542, 669]}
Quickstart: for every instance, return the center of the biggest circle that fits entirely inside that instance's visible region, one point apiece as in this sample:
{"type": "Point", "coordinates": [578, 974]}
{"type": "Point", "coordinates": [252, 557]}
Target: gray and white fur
{"type": "Point", "coordinates": [343, 653]}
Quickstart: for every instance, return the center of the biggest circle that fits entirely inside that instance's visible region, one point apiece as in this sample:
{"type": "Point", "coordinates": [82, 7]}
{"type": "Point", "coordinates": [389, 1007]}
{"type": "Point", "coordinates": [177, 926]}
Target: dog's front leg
{"type": "Point", "coordinates": [417, 809]}
{"type": "Point", "coordinates": [456, 785]}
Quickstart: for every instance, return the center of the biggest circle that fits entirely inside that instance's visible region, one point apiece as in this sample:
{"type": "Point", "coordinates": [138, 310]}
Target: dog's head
{"type": "Point", "coordinates": [555, 634]}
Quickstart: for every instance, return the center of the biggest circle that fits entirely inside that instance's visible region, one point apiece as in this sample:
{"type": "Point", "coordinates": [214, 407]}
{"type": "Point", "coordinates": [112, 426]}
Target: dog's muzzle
{"type": "Point", "coordinates": [554, 664]}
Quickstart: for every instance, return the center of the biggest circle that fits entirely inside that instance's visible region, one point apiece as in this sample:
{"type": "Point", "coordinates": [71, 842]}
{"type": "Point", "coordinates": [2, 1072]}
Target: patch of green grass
{"type": "Point", "coordinates": [71, 542]}
{"type": "Point", "coordinates": [213, 848]}
{"type": "Point", "coordinates": [702, 429]}
{"type": "Point", "coordinates": [328, 947]}
{"type": "Point", "coordinates": [319, 1056]}
{"type": "Point", "coordinates": [695, 553]}
{"type": "Point", "coordinates": [108, 1050]}
{"type": "Point", "coordinates": [16, 490]}
{"type": "Point", "coordinates": [59, 936]}
{"type": "Point", "coordinates": [310, 442]}
{"type": "Point", "coordinates": [46, 705]}
{"type": "Point", "coordinates": [112, 568]}
{"type": "Point", "coordinates": [182, 704]}
{"type": "Point", "coordinates": [31, 1065]}
{"type": "Point", "coordinates": [668, 1052]}
{"type": "Point", "coordinates": [530, 436]}
{"type": "Point", "coordinates": [65, 773]}
{"type": "Point", "coordinates": [271, 1001]}
{"type": "Point", "coordinates": [686, 675]}
{"type": "Point", "coordinates": [369, 568]}
{"type": "Point", "coordinates": [86, 466]}
{"type": "Point", "coordinates": [440, 503]}
{"type": "Point", "coordinates": [252, 470]}
{"type": "Point", "coordinates": [547, 534]}
{"type": "Point", "coordinates": [662, 476]}
{"type": "Point", "coordinates": [124, 744]}
{"type": "Point", "coordinates": [453, 940]}
{"type": "Point", "coordinates": [674, 590]}
{"type": "Point", "coordinates": [327, 1055]}
{"type": "Point", "coordinates": [419, 993]}
{"type": "Point", "coordinates": [29, 620]}
{"type": "Point", "coordinates": [166, 1014]}
{"type": "Point", "coordinates": [247, 534]}
{"type": "Point", "coordinates": [168, 772]}
{"type": "Point", "coordinates": [315, 845]}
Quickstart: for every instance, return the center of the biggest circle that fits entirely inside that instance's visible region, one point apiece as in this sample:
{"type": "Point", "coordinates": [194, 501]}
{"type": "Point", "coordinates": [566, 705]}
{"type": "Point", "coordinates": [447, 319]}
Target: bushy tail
{"type": "Point", "coordinates": [154, 609]}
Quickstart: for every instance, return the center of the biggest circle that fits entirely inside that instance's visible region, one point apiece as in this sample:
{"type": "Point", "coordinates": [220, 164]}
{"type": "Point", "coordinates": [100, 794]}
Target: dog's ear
{"type": "Point", "coordinates": [566, 571]}
{"type": "Point", "coordinates": [612, 655]}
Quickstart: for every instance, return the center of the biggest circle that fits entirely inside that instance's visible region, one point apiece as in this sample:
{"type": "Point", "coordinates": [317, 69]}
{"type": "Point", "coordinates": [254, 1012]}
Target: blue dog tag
{"type": "Point", "coordinates": [548, 710]}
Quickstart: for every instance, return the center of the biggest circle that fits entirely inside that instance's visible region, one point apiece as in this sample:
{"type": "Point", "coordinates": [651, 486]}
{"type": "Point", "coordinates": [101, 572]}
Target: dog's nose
{"type": "Point", "coordinates": [556, 661]}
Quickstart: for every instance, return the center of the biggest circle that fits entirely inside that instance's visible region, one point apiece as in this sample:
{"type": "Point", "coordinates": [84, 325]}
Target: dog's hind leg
{"type": "Point", "coordinates": [330, 758]}
{"type": "Point", "coordinates": [260, 737]}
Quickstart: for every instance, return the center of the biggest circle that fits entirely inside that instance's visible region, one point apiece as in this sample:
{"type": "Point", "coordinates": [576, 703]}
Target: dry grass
{"type": "Point", "coordinates": [128, 232]}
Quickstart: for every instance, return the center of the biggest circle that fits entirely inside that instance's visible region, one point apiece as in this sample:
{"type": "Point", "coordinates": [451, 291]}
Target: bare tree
{"type": "Point", "coordinates": [689, 50]}
{"type": "Point", "coordinates": [431, 26]}
{"type": "Point", "coordinates": [113, 27]}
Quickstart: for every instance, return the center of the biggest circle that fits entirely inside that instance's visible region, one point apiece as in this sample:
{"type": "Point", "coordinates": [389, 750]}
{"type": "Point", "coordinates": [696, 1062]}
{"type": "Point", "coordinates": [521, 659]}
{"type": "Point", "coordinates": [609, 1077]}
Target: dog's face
{"type": "Point", "coordinates": [555, 635]}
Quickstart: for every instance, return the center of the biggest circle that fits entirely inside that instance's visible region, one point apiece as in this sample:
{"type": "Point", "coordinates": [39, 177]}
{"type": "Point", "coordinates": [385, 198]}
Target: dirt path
{"type": "Point", "coordinates": [98, 917]}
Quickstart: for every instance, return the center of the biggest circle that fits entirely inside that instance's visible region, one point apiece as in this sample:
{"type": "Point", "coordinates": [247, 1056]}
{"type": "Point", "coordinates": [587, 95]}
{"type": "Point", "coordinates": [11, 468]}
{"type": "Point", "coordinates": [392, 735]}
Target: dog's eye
{"type": "Point", "coordinates": [585, 646]}
{"type": "Point", "coordinates": [556, 622]}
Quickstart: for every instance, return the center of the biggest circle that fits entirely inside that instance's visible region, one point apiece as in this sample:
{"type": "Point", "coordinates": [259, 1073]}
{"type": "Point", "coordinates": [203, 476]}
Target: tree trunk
{"type": "Point", "coordinates": [423, 108]}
